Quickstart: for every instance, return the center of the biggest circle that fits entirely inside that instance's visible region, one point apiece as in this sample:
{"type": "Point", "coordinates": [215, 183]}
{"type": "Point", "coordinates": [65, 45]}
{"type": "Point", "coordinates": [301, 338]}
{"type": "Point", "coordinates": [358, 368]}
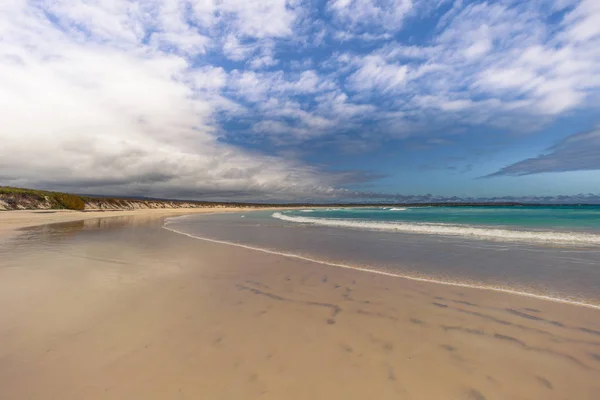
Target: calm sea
{"type": "Point", "coordinates": [551, 251]}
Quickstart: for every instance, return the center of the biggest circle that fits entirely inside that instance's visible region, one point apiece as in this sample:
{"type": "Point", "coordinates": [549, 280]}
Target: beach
{"type": "Point", "coordinates": [114, 306]}
{"type": "Point", "coordinates": [14, 220]}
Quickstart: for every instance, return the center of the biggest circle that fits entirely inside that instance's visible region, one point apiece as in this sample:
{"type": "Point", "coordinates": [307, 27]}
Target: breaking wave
{"type": "Point", "coordinates": [470, 231]}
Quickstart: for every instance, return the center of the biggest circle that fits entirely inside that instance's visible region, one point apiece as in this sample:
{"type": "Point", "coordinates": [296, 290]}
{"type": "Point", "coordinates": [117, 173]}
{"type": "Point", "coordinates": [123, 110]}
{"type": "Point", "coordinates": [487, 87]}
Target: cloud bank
{"type": "Point", "coordinates": [166, 98]}
{"type": "Point", "coordinates": [91, 102]}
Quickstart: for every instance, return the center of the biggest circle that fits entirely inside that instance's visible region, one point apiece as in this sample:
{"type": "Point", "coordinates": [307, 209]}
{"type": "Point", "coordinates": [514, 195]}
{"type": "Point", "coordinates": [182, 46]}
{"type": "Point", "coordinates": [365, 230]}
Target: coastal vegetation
{"type": "Point", "coordinates": [12, 198]}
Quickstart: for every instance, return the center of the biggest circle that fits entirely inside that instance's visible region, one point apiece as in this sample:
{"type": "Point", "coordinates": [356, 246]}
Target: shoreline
{"type": "Point", "coordinates": [11, 222]}
{"type": "Point", "coordinates": [392, 274]}
{"type": "Point", "coordinates": [14, 220]}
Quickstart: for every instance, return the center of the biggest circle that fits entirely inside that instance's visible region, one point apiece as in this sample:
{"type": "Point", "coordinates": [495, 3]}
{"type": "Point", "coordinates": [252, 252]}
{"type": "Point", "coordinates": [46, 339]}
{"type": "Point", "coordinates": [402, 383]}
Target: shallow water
{"type": "Point", "coordinates": [555, 225]}
{"type": "Point", "coordinates": [564, 270]}
{"type": "Point", "coordinates": [570, 218]}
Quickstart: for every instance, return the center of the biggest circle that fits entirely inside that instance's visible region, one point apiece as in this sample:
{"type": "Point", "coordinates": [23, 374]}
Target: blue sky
{"type": "Point", "coordinates": [301, 100]}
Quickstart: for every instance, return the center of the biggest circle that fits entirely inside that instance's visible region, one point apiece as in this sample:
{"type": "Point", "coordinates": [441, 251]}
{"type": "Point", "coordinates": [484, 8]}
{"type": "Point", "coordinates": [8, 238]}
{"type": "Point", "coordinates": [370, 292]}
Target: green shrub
{"type": "Point", "coordinates": [24, 197]}
{"type": "Point", "coordinates": [69, 201]}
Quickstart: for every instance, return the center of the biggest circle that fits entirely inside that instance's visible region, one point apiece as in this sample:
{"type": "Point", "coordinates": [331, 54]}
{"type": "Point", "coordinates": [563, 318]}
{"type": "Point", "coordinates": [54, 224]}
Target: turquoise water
{"type": "Point", "coordinates": [535, 217]}
{"type": "Point", "coordinates": [552, 252]}
{"type": "Point", "coordinates": [557, 225]}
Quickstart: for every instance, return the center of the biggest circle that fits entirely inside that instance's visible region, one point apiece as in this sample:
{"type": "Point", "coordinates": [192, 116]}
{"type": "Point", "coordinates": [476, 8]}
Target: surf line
{"type": "Point", "coordinates": [390, 274]}
{"type": "Point", "coordinates": [472, 232]}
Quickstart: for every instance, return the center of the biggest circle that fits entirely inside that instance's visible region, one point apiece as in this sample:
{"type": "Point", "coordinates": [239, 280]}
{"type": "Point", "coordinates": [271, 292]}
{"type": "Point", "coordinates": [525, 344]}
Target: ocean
{"type": "Point", "coordinates": [550, 252]}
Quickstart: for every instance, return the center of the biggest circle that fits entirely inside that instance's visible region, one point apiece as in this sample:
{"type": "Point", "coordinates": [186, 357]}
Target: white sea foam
{"type": "Point", "coordinates": [474, 232]}
{"type": "Point", "coordinates": [398, 209]}
{"type": "Point", "coordinates": [390, 274]}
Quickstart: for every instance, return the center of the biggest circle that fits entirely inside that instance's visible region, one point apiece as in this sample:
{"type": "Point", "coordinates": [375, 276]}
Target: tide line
{"type": "Point", "coordinates": [390, 274]}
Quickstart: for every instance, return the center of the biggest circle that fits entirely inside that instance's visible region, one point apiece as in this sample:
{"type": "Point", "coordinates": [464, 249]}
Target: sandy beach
{"type": "Point", "coordinates": [112, 306]}
{"type": "Point", "coordinates": [14, 220]}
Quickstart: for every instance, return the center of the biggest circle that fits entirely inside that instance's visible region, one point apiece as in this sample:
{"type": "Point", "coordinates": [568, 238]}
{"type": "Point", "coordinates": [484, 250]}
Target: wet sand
{"type": "Point", "coordinates": [119, 308]}
{"type": "Point", "coordinates": [10, 221]}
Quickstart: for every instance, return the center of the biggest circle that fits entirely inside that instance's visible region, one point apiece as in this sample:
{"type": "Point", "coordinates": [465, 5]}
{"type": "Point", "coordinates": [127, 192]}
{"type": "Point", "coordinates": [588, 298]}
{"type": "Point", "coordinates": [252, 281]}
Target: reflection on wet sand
{"type": "Point", "coordinates": [120, 308]}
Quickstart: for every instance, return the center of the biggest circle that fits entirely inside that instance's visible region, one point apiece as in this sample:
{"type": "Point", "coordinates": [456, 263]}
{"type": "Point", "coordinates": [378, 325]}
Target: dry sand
{"type": "Point", "coordinates": [119, 308]}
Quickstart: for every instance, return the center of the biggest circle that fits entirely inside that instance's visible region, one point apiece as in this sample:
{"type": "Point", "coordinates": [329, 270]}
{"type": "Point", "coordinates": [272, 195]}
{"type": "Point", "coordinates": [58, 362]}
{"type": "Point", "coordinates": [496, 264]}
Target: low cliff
{"type": "Point", "coordinates": [28, 199]}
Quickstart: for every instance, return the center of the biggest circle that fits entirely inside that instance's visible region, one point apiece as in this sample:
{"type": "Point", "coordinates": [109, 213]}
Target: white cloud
{"type": "Point", "coordinates": [335, 104]}
{"type": "Point", "coordinates": [305, 124]}
{"type": "Point", "coordinates": [263, 61]}
{"type": "Point", "coordinates": [373, 14]}
{"type": "Point", "coordinates": [250, 85]}
{"type": "Point", "coordinates": [166, 22]}
{"type": "Point", "coordinates": [583, 23]}
{"type": "Point", "coordinates": [234, 50]}
{"type": "Point", "coordinates": [111, 21]}
{"type": "Point", "coordinates": [265, 55]}
{"type": "Point", "coordinates": [500, 60]}
{"type": "Point", "coordinates": [517, 79]}
{"type": "Point", "coordinates": [374, 73]}
{"type": "Point", "coordinates": [257, 54]}
{"type": "Point", "coordinates": [261, 18]}
{"type": "Point", "coordinates": [84, 112]}
{"type": "Point", "coordinates": [208, 78]}
{"type": "Point", "coordinates": [257, 86]}
{"type": "Point", "coordinates": [187, 42]}
{"type": "Point", "coordinates": [482, 43]}
{"type": "Point", "coordinates": [555, 72]}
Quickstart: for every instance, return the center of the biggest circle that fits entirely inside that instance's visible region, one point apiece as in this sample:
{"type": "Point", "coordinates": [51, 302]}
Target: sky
{"type": "Point", "coordinates": [302, 100]}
